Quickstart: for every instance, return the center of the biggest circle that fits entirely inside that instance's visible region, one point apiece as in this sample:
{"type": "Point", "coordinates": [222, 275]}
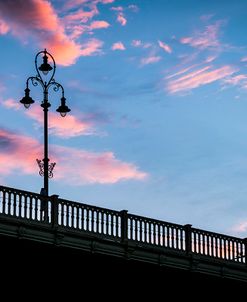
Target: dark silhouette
{"type": "Point", "coordinates": [46, 82]}
{"type": "Point", "coordinates": [115, 248]}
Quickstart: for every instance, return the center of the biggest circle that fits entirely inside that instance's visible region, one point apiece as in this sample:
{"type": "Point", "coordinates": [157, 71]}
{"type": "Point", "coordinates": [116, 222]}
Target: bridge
{"type": "Point", "coordinates": [73, 234]}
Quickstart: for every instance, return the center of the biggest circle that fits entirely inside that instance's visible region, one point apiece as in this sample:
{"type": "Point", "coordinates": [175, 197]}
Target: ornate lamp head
{"type": "Point", "coordinates": [63, 109]}
{"type": "Point", "coordinates": [45, 67]}
{"type": "Point", "coordinates": [27, 100]}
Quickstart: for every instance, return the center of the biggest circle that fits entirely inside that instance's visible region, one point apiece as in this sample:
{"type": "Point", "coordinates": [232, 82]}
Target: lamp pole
{"type": "Point", "coordinates": [46, 81]}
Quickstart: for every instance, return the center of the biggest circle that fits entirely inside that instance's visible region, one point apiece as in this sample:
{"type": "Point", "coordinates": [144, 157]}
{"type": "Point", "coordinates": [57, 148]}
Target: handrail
{"type": "Point", "coordinates": [120, 225]}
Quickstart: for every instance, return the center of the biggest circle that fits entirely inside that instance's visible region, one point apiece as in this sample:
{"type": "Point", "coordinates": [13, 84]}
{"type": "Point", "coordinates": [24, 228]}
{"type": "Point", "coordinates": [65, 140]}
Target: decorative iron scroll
{"type": "Point", "coordinates": [41, 167]}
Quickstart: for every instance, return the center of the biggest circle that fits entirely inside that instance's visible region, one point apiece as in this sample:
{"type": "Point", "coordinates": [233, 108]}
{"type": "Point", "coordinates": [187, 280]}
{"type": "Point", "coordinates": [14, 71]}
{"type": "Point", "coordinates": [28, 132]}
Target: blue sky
{"type": "Point", "coordinates": [158, 98]}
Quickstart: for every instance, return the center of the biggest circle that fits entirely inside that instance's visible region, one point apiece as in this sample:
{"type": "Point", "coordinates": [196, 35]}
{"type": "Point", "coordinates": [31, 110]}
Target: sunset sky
{"type": "Point", "coordinates": [158, 98]}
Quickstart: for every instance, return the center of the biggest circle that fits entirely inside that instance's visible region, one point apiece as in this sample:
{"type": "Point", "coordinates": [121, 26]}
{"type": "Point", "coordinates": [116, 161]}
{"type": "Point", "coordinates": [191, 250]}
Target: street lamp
{"type": "Point", "coordinates": [45, 82]}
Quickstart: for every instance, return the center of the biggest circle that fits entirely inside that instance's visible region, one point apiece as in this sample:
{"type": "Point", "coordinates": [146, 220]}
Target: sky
{"type": "Point", "coordinates": [158, 97]}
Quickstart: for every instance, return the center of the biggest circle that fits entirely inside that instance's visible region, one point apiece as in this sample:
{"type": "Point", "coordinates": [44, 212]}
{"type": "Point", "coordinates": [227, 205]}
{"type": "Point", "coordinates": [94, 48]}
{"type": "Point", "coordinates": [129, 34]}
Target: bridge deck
{"type": "Point", "coordinates": [63, 225]}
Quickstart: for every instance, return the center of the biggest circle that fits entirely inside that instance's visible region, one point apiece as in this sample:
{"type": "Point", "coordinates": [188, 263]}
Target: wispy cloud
{"type": "Point", "coordinates": [118, 46]}
{"type": "Point", "coordinates": [165, 47]}
{"type": "Point", "coordinates": [83, 167]}
{"type": "Point", "coordinates": [208, 38]}
{"type": "Point", "coordinates": [237, 80]}
{"type": "Point", "coordinates": [198, 78]}
{"type": "Point", "coordinates": [117, 8]}
{"type": "Point", "coordinates": [139, 43]}
{"type": "Point", "coordinates": [37, 20]}
{"type": "Point", "coordinates": [150, 60]}
{"type": "Point", "coordinates": [134, 8]}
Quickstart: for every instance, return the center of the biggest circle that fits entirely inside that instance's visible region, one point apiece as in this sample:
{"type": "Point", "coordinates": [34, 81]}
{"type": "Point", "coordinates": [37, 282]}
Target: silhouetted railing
{"type": "Point", "coordinates": [120, 226]}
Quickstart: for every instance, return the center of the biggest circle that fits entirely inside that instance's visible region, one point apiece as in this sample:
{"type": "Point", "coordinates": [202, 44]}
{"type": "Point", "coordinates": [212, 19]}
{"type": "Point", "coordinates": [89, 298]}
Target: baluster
{"type": "Point", "coordinates": [20, 204]}
{"type": "Point", "coordinates": [112, 224]}
{"type": "Point", "coordinates": [172, 237]}
{"type": "Point", "coordinates": [159, 234]}
{"type": "Point", "coordinates": [14, 206]}
{"type": "Point", "coordinates": [4, 202]}
{"type": "Point", "coordinates": [107, 223]}
{"type": "Point", "coordinates": [177, 238]}
{"type": "Point", "coordinates": [208, 245]}
{"type": "Point", "coordinates": [220, 246]}
{"type": "Point", "coordinates": [35, 208]}
{"type": "Point", "coordinates": [225, 248]}
{"type": "Point", "coordinates": [229, 249]}
{"type": "Point", "coordinates": [97, 221]}
{"type": "Point", "coordinates": [77, 216]}
{"type": "Point", "coordinates": [131, 229]}
{"type": "Point", "coordinates": [83, 218]}
{"type": "Point", "coordinates": [145, 231]}
{"type": "Point", "coordinates": [102, 223]}
{"type": "Point", "coordinates": [136, 229]}
{"type": "Point", "coordinates": [141, 230]}
{"type": "Point", "coordinates": [213, 246]}
{"type": "Point", "coordinates": [9, 203]}
{"type": "Point", "coordinates": [25, 206]}
{"type": "Point", "coordinates": [72, 216]}
{"type": "Point", "coordinates": [62, 214]}
{"type": "Point", "coordinates": [117, 225]}
{"type": "Point", "coordinates": [149, 232]}
{"type": "Point", "coordinates": [168, 237]}
{"type": "Point", "coordinates": [240, 252]}
{"type": "Point", "coordinates": [87, 219]}
{"type": "Point", "coordinates": [66, 214]}
{"type": "Point", "coordinates": [92, 220]}
{"type": "Point", "coordinates": [30, 207]}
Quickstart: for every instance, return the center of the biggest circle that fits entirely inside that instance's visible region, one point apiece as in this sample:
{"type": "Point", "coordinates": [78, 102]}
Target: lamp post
{"type": "Point", "coordinates": [46, 81]}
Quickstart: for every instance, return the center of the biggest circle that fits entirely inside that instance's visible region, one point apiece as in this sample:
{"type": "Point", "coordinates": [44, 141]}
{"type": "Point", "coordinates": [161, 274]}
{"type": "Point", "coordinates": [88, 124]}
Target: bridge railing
{"type": "Point", "coordinates": [120, 225]}
{"type": "Point", "coordinates": [87, 218]}
{"type": "Point", "coordinates": [156, 232]}
{"type": "Point", "coordinates": [218, 246]}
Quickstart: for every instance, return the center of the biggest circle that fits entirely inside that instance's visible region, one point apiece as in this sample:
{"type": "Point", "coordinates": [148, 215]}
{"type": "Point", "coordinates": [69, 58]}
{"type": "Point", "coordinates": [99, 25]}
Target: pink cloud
{"type": "Point", "coordinates": [106, 1]}
{"type": "Point", "coordinates": [118, 46]}
{"type": "Point", "coordinates": [37, 20]}
{"type": "Point", "coordinates": [70, 126]}
{"type": "Point", "coordinates": [204, 39]}
{"type": "Point", "coordinates": [11, 104]}
{"type": "Point", "coordinates": [91, 47]}
{"type": "Point", "coordinates": [150, 60]}
{"type": "Point", "coordinates": [80, 15]}
{"type": "Point", "coordinates": [165, 46]}
{"type": "Point", "coordinates": [99, 24]}
{"type": "Point", "coordinates": [4, 28]}
{"type": "Point", "coordinates": [88, 167]}
{"type": "Point", "coordinates": [198, 78]}
{"type": "Point", "coordinates": [18, 153]}
{"type": "Point", "coordinates": [121, 19]}
{"type": "Point", "coordinates": [241, 227]}
{"type": "Point", "coordinates": [83, 167]}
